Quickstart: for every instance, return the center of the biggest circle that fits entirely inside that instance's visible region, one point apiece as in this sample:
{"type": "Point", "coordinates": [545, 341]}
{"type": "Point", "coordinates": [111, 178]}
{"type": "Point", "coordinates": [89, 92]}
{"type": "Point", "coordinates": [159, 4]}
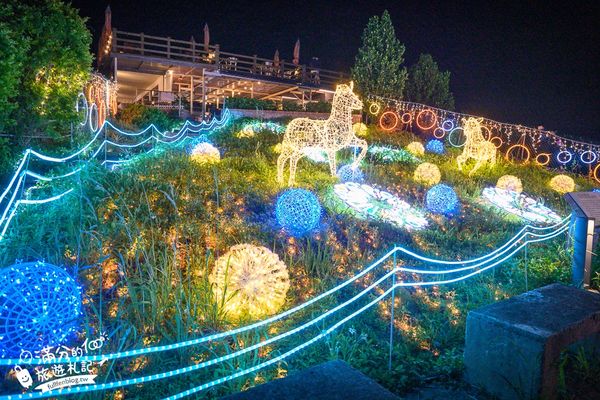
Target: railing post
{"type": "Point", "coordinates": [217, 55]}
{"type": "Point", "coordinates": [193, 51]}
{"type": "Point", "coordinates": [392, 312]}
{"type": "Point", "coordinates": [168, 47]}
{"type": "Point", "coordinates": [142, 43]}
{"type": "Point", "coordinates": [114, 41]}
{"type": "Point", "coordinates": [254, 63]}
{"type": "Point", "coordinates": [303, 73]}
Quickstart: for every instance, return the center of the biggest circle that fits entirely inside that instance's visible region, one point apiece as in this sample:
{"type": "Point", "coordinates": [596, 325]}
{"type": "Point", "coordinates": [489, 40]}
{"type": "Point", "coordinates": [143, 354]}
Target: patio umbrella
{"type": "Point", "coordinates": [296, 60]}
{"type": "Point", "coordinates": [206, 37]}
{"type": "Point", "coordinates": [276, 59]}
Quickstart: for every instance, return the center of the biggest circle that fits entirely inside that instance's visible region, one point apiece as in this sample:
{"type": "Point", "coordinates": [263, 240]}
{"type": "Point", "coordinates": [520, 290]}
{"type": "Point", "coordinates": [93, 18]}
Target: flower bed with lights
{"type": "Point", "coordinates": [520, 205]}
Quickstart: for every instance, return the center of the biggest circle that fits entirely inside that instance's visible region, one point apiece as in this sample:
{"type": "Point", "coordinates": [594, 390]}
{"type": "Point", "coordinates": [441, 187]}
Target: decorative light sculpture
{"type": "Point", "coordinates": [476, 146]}
{"type": "Point", "coordinates": [205, 153]}
{"type": "Point", "coordinates": [360, 129]}
{"type": "Point", "coordinates": [520, 205]}
{"type": "Point", "coordinates": [367, 202]}
{"type": "Point", "coordinates": [435, 146]}
{"type": "Point", "coordinates": [510, 182]}
{"type": "Point", "coordinates": [40, 305]}
{"type": "Point", "coordinates": [416, 148]}
{"type": "Point", "coordinates": [315, 155]}
{"type": "Point", "coordinates": [252, 280]}
{"type": "Point", "coordinates": [330, 135]}
{"type": "Point", "coordinates": [428, 174]}
{"type": "Point", "coordinates": [350, 173]}
{"type": "Point", "coordinates": [298, 211]}
{"type": "Point", "coordinates": [562, 184]}
{"type": "Point", "coordinates": [442, 199]}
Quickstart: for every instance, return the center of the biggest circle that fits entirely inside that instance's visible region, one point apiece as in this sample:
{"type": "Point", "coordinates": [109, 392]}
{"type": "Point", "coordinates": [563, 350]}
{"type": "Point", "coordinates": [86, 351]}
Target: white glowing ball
{"type": "Point", "coordinates": [428, 174]}
{"type": "Point", "coordinates": [562, 184]}
{"type": "Point", "coordinates": [416, 148]}
{"type": "Point", "coordinates": [360, 129]}
{"type": "Point", "coordinates": [205, 153]}
{"type": "Point", "coordinates": [510, 182]}
{"type": "Point", "coordinates": [252, 279]}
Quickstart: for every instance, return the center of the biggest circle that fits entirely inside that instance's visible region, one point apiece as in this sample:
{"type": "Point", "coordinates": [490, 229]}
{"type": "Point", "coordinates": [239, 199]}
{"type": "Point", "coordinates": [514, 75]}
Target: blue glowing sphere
{"type": "Point", "coordinates": [435, 146]}
{"type": "Point", "coordinates": [442, 199]}
{"type": "Point", "coordinates": [348, 173]}
{"type": "Point", "coordinates": [298, 211]}
{"type": "Point", "coordinates": [40, 305]}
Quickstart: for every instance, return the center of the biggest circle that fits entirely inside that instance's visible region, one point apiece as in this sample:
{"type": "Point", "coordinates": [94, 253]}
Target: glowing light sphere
{"type": "Point", "coordinates": [205, 153]}
{"type": "Point", "coordinates": [360, 129]}
{"type": "Point", "coordinates": [562, 184]}
{"type": "Point", "coordinates": [428, 174]}
{"type": "Point", "coordinates": [520, 205]}
{"type": "Point", "coordinates": [368, 202]}
{"type": "Point", "coordinates": [298, 211]}
{"type": "Point", "coordinates": [442, 199]}
{"type": "Point", "coordinates": [510, 182]}
{"type": "Point", "coordinates": [40, 305]}
{"type": "Point", "coordinates": [253, 280]}
{"type": "Point", "coordinates": [435, 146]}
{"type": "Point", "coordinates": [350, 173]}
{"type": "Point", "coordinates": [416, 148]}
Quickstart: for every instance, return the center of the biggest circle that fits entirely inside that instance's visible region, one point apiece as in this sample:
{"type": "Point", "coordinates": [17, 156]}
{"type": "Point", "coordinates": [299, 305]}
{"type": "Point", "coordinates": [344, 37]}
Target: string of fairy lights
{"type": "Point", "coordinates": [518, 143]}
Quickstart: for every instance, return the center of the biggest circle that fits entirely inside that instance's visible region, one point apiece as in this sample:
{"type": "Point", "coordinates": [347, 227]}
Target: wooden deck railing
{"type": "Point", "coordinates": [229, 63]}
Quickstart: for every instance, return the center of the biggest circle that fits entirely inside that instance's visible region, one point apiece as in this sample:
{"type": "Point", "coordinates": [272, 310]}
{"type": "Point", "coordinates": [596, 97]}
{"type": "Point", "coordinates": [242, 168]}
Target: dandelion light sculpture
{"type": "Point", "coordinates": [562, 184]}
{"type": "Point", "coordinates": [476, 146]}
{"type": "Point", "coordinates": [252, 279]}
{"type": "Point", "coordinates": [415, 148]}
{"type": "Point", "coordinates": [427, 174]}
{"type": "Point", "coordinates": [330, 135]}
{"type": "Point", "coordinates": [205, 153]}
{"type": "Point", "coordinates": [510, 182]}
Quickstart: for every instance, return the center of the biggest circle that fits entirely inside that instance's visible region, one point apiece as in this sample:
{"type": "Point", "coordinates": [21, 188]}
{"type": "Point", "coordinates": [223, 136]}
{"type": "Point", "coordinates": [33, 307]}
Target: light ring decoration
{"type": "Point", "coordinates": [386, 124]}
{"type": "Point", "coordinates": [453, 142]}
{"type": "Point", "coordinates": [590, 160]}
{"type": "Point", "coordinates": [564, 161]}
{"type": "Point", "coordinates": [447, 123]}
{"type": "Point", "coordinates": [91, 118]}
{"type": "Point", "coordinates": [595, 172]}
{"type": "Point", "coordinates": [80, 105]}
{"type": "Point", "coordinates": [546, 159]}
{"type": "Point", "coordinates": [439, 133]}
{"type": "Point", "coordinates": [516, 146]}
{"type": "Point", "coordinates": [421, 114]}
{"type": "Point", "coordinates": [406, 118]}
{"type": "Point", "coordinates": [497, 141]}
{"type": "Point", "coordinates": [489, 132]}
{"type": "Point", "coordinates": [374, 108]}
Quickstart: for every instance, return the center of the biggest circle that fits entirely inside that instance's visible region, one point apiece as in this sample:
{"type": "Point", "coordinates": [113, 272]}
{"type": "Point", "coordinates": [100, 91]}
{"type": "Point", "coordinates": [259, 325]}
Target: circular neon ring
{"type": "Point", "coordinates": [377, 106]}
{"type": "Point", "coordinates": [386, 128]}
{"type": "Point", "coordinates": [93, 109]}
{"type": "Point", "coordinates": [432, 124]}
{"type": "Point", "coordinates": [564, 161]}
{"type": "Point", "coordinates": [450, 122]}
{"type": "Point", "coordinates": [439, 133]}
{"type": "Point", "coordinates": [499, 140]}
{"type": "Point", "coordinates": [514, 146]}
{"type": "Point", "coordinates": [596, 177]}
{"type": "Point", "coordinates": [489, 133]}
{"type": "Point", "coordinates": [589, 161]}
{"type": "Point", "coordinates": [404, 119]}
{"type": "Point", "coordinates": [81, 96]}
{"type": "Point", "coordinates": [543, 163]}
{"type": "Point", "coordinates": [450, 137]}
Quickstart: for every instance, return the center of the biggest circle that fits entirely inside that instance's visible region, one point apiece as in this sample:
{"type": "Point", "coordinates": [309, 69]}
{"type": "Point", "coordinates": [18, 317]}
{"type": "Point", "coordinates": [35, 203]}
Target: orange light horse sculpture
{"type": "Point", "coordinates": [330, 135]}
{"type": "Point", "coordinates": [476, 146]}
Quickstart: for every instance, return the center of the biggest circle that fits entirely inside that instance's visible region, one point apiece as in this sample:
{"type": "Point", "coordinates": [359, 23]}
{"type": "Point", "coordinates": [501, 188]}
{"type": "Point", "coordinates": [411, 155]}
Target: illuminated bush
{"type": "Point", "coordinates": [298, 211]}
{"type": "Point", "coordinates": [435, 146]}
{"type": "Point", "coordinates": [349, 173]}
{"type": "Point", "coordinates": [442, 199]}
{"type": "Point", "coordinates": [427, 174]}
{"type": "Point", "coordinates": [39, 306]}
{"type": "Point", "coordinates": [205, 153]}
{"type": "Point", "coordinates": [510, 182]}
{"type": "Point", "coordinates": [360, 129]}
{"type": "Point", "coordinates": [252, 279]}
{"type": "Point", "coordinates": [416, 148]}
{"type": "Point", "coordinates": [562, 184]}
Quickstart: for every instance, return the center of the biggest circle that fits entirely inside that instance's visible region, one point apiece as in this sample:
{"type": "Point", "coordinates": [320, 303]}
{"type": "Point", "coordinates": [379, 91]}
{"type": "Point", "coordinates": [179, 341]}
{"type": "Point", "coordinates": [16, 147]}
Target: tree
{"type": "Point", "coordinates": [378, 67]}
{"type": "Point", "coordinates": [427, 85]}
{"type": "Point", "coordinates": [44, 63]}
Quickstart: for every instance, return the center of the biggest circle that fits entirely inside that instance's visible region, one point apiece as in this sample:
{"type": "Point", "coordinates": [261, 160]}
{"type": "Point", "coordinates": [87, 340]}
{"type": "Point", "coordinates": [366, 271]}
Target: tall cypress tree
{"type": "Point", "coordinates": [378, 67]}
{"type": "Point", "coordinates": [428, 85]}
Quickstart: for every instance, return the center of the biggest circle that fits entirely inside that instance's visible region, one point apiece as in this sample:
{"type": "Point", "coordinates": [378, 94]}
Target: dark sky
{"type": "Point", "coordinates": [534, 63]}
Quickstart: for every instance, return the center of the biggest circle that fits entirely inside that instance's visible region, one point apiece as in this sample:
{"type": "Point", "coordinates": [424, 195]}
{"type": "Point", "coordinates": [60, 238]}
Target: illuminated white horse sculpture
{"type": "Point", "coordinates": [476, 146]}
{"type": "Point", "coordinates": [330, 135]}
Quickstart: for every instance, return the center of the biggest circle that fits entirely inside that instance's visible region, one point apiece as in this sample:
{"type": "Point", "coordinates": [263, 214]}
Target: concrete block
{"type": "Point", "coordinates": [512, 347]}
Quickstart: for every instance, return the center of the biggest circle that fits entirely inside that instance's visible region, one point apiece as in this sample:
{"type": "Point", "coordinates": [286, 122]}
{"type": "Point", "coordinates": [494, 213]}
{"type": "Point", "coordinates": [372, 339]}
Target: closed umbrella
{"type": "Point", "coordinates": [206, 37]}
{"type": "Point", "coordinates": [296, 60]}
{"type": "Point", "coordinates": [276, 62]}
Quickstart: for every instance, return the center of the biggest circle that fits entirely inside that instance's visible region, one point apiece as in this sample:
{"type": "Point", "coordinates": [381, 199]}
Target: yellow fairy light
{"type": "Point", "coordinates": [360, 129]}
{"type": "Point", "coordinates": [427, 174]}
{"type": "Point", "coordinates": [416, 148]}
{"type": "Point", "coordinates": [562, 184]}
{"type": "Point", "coordinates": [510, 182]}
{"type": "Point", "coordinates": [330, 135]}
{"type": "Point", "coordinates": [252, 279]}
{"type": "Point", "coordinates": [476, 146]}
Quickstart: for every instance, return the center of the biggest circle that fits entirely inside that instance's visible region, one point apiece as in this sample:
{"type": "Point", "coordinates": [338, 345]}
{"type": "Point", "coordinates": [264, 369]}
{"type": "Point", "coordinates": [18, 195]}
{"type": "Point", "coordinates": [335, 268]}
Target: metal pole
{"type": "Point", "coordinates": [526, 264]}
{"type": "Point", "coordinates": [392, 313]}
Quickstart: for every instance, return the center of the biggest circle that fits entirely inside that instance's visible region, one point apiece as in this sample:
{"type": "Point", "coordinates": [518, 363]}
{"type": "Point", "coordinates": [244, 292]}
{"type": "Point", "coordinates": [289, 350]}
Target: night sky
{"type": "Point", "coordinates": [533, 64]}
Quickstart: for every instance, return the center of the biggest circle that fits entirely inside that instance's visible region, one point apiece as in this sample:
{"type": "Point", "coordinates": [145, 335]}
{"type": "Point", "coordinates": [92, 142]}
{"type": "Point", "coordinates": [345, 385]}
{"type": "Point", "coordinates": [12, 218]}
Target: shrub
{"type": "Point", "coordinates": [139, 116]}
{"type": "Point", "coordinates": [319, 106]}
{"type": "Point", "coordinates": [247, 103]}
